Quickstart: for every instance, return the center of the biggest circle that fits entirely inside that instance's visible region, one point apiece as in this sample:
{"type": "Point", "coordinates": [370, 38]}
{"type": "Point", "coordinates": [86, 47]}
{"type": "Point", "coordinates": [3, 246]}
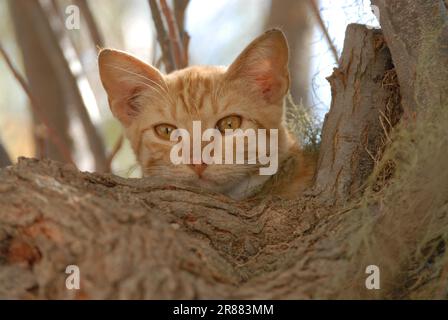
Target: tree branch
{"type": "Point", "coordinates": [417, 34]}
{"type": "Point", "coordinates": [173, 34]}
{"type": "Point", "coordinates": [180, 8]}
{"type": "Point", "coordinates": [162, 37]}
{"type": "Point", "coordinates": [352, 134]}
{"type": "Point", "coordinates": [53, 37]}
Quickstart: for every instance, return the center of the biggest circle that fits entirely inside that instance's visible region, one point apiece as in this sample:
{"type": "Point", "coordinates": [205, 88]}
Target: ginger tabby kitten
{"type": "Point", "coordinates": [248, 94]}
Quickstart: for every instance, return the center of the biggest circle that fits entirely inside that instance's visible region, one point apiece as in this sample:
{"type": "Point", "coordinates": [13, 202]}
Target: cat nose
{"type": "Point", "coordinates": [198, 168]}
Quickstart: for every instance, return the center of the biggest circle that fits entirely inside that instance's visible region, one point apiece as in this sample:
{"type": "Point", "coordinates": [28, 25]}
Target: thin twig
{"type": "Point", "coordinates": [173, 33]}
{"type": "Point", "coordinates": [65, 152]}
{"type": "Point", "coordinates": [180, 7]}
{"type": "Point", "coordinates": [315, 8]}
{"type": "Point", "coordinates": [56, 42]}
{"type": "Point", "coordinates": [162, 37]}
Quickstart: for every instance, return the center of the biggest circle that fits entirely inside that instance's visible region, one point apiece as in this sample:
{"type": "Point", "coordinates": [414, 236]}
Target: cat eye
{"type": "Point", "coordinates": [230, 122]}
{"type": "Point", "coordinates": [164, 131]}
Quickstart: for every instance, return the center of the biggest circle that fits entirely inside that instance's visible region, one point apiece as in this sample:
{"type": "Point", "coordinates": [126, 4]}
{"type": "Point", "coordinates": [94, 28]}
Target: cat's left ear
{"type": "Point", "coordinates": [263, 66]}
{"type": "Point", "coordinates": [124, 77]}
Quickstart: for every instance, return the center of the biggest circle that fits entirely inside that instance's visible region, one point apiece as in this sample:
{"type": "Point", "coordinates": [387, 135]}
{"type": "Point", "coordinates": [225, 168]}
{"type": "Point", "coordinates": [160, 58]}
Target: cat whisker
{"type": "Point", "coordinates": [165, 89]}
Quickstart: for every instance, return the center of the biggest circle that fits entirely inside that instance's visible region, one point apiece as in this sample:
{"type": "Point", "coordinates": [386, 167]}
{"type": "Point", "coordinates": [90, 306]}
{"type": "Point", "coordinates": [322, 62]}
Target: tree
{"type": "Point", "coordinates": [52, 83]}
{"type": "Point", "coordinates": [42, 79]}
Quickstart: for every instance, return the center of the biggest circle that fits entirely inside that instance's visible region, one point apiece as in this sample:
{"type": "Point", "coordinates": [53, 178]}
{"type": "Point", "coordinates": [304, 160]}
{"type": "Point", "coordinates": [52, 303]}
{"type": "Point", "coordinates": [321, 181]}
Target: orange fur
{"type": "Point", "coordinates": [252, 88]}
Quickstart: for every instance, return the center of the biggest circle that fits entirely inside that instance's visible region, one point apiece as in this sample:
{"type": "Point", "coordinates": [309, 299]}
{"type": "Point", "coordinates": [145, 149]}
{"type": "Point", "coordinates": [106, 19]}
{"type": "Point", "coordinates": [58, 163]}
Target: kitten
{"type": "Point", "coordinates": [250, 94]}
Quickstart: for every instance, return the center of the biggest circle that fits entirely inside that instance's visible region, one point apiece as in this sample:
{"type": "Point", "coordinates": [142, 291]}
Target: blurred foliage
{"type": "Point", "coordinates": [304, 124]}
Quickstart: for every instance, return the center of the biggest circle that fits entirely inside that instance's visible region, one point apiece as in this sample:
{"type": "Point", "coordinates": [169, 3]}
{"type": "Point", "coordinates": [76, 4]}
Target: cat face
{"type": "Point", "coordinates": [247, 95]}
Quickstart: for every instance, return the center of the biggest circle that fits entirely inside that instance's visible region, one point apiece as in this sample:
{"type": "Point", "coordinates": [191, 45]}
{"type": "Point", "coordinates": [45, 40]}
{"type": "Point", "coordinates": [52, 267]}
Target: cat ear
{"type": "Point", "coordinates": [264, 66]}
{"type": "Point", "coordinates": [124, 77]}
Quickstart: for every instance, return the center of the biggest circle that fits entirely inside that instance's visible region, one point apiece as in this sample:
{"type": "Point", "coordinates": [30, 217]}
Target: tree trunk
{"type": "Point", "coordinates": [135, 238]}
{"type": "Point", "coordinates": [421, 55]}
{"type": "Point", "coordinates": [353, 134]}
{"type": "Point", "coordinates": [43, 81]}
{"type": "Point", "coordinates": [292, 17]}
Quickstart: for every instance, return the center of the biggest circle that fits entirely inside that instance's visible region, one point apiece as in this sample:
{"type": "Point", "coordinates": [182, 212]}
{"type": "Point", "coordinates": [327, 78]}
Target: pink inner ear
{"type": "Point", "coordinates": [265, 83]}
{"type": "Point", "coordinates": [266, 79]}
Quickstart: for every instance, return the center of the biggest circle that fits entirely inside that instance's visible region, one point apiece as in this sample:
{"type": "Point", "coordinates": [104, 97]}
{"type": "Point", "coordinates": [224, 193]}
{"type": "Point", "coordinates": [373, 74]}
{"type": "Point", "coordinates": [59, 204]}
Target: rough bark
{"type": "Point", "coordinates": [417, 34]}
{"type": "Point", "coordinates": [50, 76]}
{"type": "Point", "coordinates": [359, 98]}
{"type": "Point", "coordinates": [57, 43]}
{"type": "Point", "coordinates": [193, 244]}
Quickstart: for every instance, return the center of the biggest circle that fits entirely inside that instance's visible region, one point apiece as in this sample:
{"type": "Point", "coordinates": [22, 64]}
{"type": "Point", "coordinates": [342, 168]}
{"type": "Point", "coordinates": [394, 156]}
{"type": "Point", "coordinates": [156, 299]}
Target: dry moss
{"type": "Point", "coordinates": [403, 227]}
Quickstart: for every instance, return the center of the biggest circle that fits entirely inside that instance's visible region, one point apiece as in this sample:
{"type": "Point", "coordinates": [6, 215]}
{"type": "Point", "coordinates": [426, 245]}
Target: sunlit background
{"type": "Point", "coordinates": [219, 30]}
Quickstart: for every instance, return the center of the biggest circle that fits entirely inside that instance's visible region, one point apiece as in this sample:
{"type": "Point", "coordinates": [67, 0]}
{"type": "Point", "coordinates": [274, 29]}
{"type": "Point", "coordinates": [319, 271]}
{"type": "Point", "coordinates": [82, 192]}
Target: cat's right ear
{"type": "Point", "coordinates": [124, 77]}
{"type": "Point", "coordinates": [262, 67]}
